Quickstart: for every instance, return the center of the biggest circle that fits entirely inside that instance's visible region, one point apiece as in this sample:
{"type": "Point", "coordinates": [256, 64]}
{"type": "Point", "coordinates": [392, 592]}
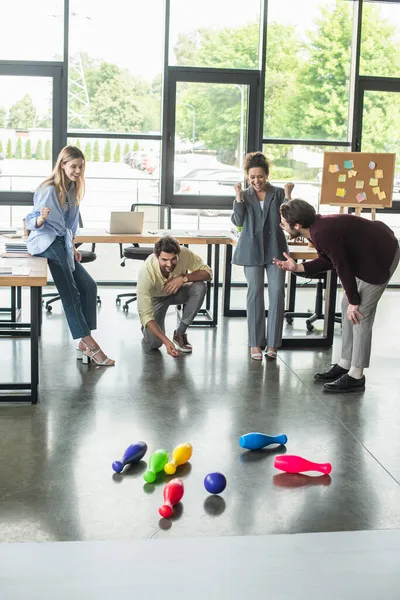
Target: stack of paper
{"type": "Point", "coordinates": [16, 247]}
{"type": "Point", "coordinates": [7, 230]}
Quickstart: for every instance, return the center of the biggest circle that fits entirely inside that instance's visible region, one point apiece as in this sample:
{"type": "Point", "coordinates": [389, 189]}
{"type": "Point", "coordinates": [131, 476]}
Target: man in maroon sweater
{"type": "Point", "coordinates": [365, 255]}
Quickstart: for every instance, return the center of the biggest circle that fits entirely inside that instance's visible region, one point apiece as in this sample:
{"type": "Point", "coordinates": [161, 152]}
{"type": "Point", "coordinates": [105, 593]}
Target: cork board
{"type": "Point", "coordinates": [358, 179]}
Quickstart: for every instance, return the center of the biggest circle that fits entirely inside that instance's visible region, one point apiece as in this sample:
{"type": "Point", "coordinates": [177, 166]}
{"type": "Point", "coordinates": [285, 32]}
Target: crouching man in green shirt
{"type": "Point", "coordinates": [172, 275]}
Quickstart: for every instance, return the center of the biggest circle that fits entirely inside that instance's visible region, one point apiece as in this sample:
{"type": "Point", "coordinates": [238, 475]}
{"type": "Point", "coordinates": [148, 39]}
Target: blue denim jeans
{"type": "Point", "coordinates": [77, 289]}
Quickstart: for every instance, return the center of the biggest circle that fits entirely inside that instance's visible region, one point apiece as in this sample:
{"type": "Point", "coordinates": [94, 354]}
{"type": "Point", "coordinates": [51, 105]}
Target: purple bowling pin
{"type": "Point", "coordinates": [133, 454]}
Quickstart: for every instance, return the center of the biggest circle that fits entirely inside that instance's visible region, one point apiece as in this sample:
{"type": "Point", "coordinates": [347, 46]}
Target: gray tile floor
{"type": "Point", "coordinates": [56, 481]}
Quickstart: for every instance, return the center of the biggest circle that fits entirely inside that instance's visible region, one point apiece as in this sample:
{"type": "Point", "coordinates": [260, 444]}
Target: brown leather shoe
{"type": "Point", "coordinates": [181, 342]}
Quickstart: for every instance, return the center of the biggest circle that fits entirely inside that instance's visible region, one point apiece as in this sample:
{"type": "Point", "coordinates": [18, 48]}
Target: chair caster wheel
{"type": "Point", "coordinates": [49, 308]}
{"type": "Point", "coordinates": [99, 302]}
{"type": "Point", "coordinates": [289, 320]}
{"type": "Point", "coordinates": [118, 302]}
{"type": "Point", "coordinates": [125, 308]}
{"type": "Point", "coordinates": [310, 326]}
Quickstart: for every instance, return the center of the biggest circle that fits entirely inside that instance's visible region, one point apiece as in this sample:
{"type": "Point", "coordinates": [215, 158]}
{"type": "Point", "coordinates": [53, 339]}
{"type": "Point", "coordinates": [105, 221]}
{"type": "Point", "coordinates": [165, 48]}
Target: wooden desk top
{"type": "Point", "coordinates": [36, 278]}
{"type": "Point", "coordinates": [98, 236]}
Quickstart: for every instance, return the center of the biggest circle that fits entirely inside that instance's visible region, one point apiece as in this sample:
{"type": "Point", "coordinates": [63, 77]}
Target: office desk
{"type": "Point", "coordinates": [36, 279]}
{"type": "Point", "coordinates": [297, 252]}
{"type": "Point", "coordinates": [213, 243]}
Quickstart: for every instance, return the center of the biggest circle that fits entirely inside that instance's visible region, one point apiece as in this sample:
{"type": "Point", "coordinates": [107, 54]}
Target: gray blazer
{"type": "Point", "coordinates": [261, 238]}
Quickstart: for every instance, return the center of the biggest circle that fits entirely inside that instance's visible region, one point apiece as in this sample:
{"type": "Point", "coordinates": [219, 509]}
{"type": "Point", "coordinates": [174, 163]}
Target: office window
{"type": "Point", "coordinates": [308, 69]}
{"type": "Point", "coordinates": [32, 30]}
{"type": "Point", "coordinates": [380, 39]}
{"type": "Point", "coordinates": [215, 33]}
{"type": "Point", "coordinates": [118, 173]}
{"type": "Point", "coordinates": [302, 165]}
{"type": "Point", "coordinates": [115, 66]}
{"type": "Point", "coordinates": [25, 131]}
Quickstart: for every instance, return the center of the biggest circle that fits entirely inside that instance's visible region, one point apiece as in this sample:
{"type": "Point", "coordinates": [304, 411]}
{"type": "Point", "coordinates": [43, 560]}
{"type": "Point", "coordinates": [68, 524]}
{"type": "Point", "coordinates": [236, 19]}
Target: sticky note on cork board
{"type": "Point", "coordinates": [361, 197]}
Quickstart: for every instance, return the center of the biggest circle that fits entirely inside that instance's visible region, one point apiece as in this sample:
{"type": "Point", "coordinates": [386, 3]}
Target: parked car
{"type": "Point", "coordinates": [396, 183]}
{"type": "Point", "coordinates": [211, 182]}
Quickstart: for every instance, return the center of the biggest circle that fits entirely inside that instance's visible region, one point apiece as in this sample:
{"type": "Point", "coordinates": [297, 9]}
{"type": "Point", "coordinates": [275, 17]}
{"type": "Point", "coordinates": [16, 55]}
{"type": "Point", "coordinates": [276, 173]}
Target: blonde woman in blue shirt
{"type": "Point", "coordinates": [53, 225]}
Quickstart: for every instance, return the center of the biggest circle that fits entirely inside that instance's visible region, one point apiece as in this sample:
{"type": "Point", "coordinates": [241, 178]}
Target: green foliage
{"type": "Point", "coordinates": [281, 173]}
{"type": "Point", "coordinates": [1, 146]}
{"type": "Point", "coordinates": [136, 146]}
{"type": "Point", "coordinates": [96, 151]}
{"type": "Point", "coordinates": [119, 104]}
{"type": "Point", "coordinates": [320, 106]}
{"type": "Point", "coordinates": [39, 150]}
{"type": "Point", "coordinates": [47, 150]}
{"type": "Point", "coordinates": [107, 151]}
{"type": "Point", "coordinates": [78, 144]}
{"type": "Point", "coordinates": [117, 153]}
{"type": "Point", "coordinates": [28, 149]}
{"type": "Point", "coordinates": [127, 149]}
{"type": "Point", "coordinates": [3, 118]}
{"type": "Point", "coordinates": [9, 149]}
{"type": "Point", "coordinates": [18, 149]}
{"type": "Point", "coordinates": [22, 114]}
{"type": "Point", "coordinates": [88, 151]}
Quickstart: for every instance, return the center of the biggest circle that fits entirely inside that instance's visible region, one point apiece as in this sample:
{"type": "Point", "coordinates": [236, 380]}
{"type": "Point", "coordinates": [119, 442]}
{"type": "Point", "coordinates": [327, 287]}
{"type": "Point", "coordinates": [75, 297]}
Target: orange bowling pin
{"type": "Point", "coordinates": [180, 455]}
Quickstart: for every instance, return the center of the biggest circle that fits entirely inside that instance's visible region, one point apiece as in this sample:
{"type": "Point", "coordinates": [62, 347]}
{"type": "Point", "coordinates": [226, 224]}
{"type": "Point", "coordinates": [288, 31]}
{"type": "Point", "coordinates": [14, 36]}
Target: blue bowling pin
{"type": "Point", "coordinates": [256, 441]}
{"type": "Point", "coordinates": [133, 454]}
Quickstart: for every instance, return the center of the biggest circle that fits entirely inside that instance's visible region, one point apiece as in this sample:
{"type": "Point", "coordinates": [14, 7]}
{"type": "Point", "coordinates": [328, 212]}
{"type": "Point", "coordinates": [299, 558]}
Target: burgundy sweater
{"type": "Point", "coordinates": [354, 247]}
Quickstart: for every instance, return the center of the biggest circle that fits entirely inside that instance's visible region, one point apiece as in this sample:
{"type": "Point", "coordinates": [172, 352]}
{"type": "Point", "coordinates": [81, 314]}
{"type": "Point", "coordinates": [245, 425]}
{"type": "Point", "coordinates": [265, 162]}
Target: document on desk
{"type": "Point", "coordinates": [17, 270]}
{"type": "Point", "coordinates": [209, 234]}
{"type": "Point", "coordinates": [194, 234]}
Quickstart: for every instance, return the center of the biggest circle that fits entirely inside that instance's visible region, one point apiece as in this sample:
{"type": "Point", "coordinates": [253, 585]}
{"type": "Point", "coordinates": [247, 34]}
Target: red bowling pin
{"type": "Point", "coordinates": [297, 464]}
{"type": "Point", "coordinates": [173, 493]}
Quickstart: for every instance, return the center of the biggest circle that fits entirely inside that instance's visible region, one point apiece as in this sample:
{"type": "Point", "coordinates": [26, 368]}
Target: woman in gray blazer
{"type": "Point", "coordinates": [256, 210]}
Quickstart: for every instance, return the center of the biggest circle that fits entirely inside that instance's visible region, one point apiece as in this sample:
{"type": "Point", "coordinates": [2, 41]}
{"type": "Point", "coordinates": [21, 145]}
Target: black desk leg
{"type": "Point", "coordinates": [19, 297]}
{"type": "Point", "coordinates": [35, 327]}
{"type": "Point", "coordinates": [40, 311]}
{"type": "Point", "coordinates": [227, 280]}
{"type": "Point", "coordinates": [209, 259]}
{"type": "Point", "coordinates": [291, 292]}
{"type": "Point", "coordinates": [216, 284]}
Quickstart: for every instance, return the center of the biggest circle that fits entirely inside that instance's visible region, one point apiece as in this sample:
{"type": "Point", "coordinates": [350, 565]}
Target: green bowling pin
{"type": "Point", "coordinates": [157, 462]}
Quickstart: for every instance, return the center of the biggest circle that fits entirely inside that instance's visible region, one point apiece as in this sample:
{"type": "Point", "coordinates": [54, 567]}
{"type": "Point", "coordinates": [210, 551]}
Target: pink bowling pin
{"type": "Point", "coordinates": [297, 464]}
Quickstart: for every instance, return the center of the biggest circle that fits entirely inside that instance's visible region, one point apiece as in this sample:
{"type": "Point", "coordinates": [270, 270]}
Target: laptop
{"type": "Point", "coordinates": [126, 222]}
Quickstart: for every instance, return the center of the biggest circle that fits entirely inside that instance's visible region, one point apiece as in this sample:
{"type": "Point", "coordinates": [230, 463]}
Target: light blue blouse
{"type": "Point", "coordinates": [62, 221]}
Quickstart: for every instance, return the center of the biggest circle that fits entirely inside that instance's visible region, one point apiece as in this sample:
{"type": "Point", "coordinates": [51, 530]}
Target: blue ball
{"type": "Point", "coordinates": [215, 483]}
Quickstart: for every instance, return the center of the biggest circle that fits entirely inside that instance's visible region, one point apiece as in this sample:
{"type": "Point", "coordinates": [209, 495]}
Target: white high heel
{"type": "Point", "coordinates": [88, 354]}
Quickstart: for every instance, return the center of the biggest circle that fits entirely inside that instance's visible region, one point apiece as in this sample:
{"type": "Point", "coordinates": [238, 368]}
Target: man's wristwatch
{"type": "Point", "coordinates": [185, 278]}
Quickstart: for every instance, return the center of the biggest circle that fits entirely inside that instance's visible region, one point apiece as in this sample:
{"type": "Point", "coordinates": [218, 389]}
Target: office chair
{"type": "Point", "coordinates": [87, 257]}
{"type": "Point", "coordinates": [156, 217]}
{"type": "Point", "coordinates": [319, 300]}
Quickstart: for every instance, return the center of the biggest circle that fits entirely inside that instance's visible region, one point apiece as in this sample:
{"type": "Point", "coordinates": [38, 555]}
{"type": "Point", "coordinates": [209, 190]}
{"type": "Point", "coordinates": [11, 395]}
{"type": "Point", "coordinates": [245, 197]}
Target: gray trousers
{"type": "Point", "coordinates": [256, 305]}
{"type": "Point", "coordinates": [356, 339]}
{"type": "Point", "coordinates": [191, 295]}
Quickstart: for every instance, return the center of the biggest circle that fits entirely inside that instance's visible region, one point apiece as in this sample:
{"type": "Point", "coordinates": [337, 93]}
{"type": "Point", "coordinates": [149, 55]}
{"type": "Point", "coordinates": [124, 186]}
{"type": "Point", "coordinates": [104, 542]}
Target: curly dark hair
{"type": "Point", "coordinates": [255, 159]}
{"type": "Point", "coordinates": [298, 212]}
{"type": "Point", "coordinates": [167, 244]}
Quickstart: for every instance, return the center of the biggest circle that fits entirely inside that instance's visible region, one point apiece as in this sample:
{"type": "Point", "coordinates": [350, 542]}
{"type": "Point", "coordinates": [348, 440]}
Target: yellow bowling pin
{"type": "Point", "coordinates": [180, 455]}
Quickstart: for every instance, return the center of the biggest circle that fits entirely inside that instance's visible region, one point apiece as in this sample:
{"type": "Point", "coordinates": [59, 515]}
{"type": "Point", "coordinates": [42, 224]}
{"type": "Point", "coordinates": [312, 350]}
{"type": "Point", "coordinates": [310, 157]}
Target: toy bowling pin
{"type": "Point", "coordinates": [157, 462]}
{"type": "Point", "coordinates": [173, 493]}
{"type": "Point", "coordinates": [133, 454]}
{"type": "Point", "coordinates": [297, 464]}
{"type": "Point", "coordinates": [256, 441]}
{"type": "Point", "coordinates": [180, 455]}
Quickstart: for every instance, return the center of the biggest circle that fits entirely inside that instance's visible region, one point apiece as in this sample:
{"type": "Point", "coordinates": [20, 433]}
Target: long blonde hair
{"type": "Point", "coordinates": [60, 180]}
